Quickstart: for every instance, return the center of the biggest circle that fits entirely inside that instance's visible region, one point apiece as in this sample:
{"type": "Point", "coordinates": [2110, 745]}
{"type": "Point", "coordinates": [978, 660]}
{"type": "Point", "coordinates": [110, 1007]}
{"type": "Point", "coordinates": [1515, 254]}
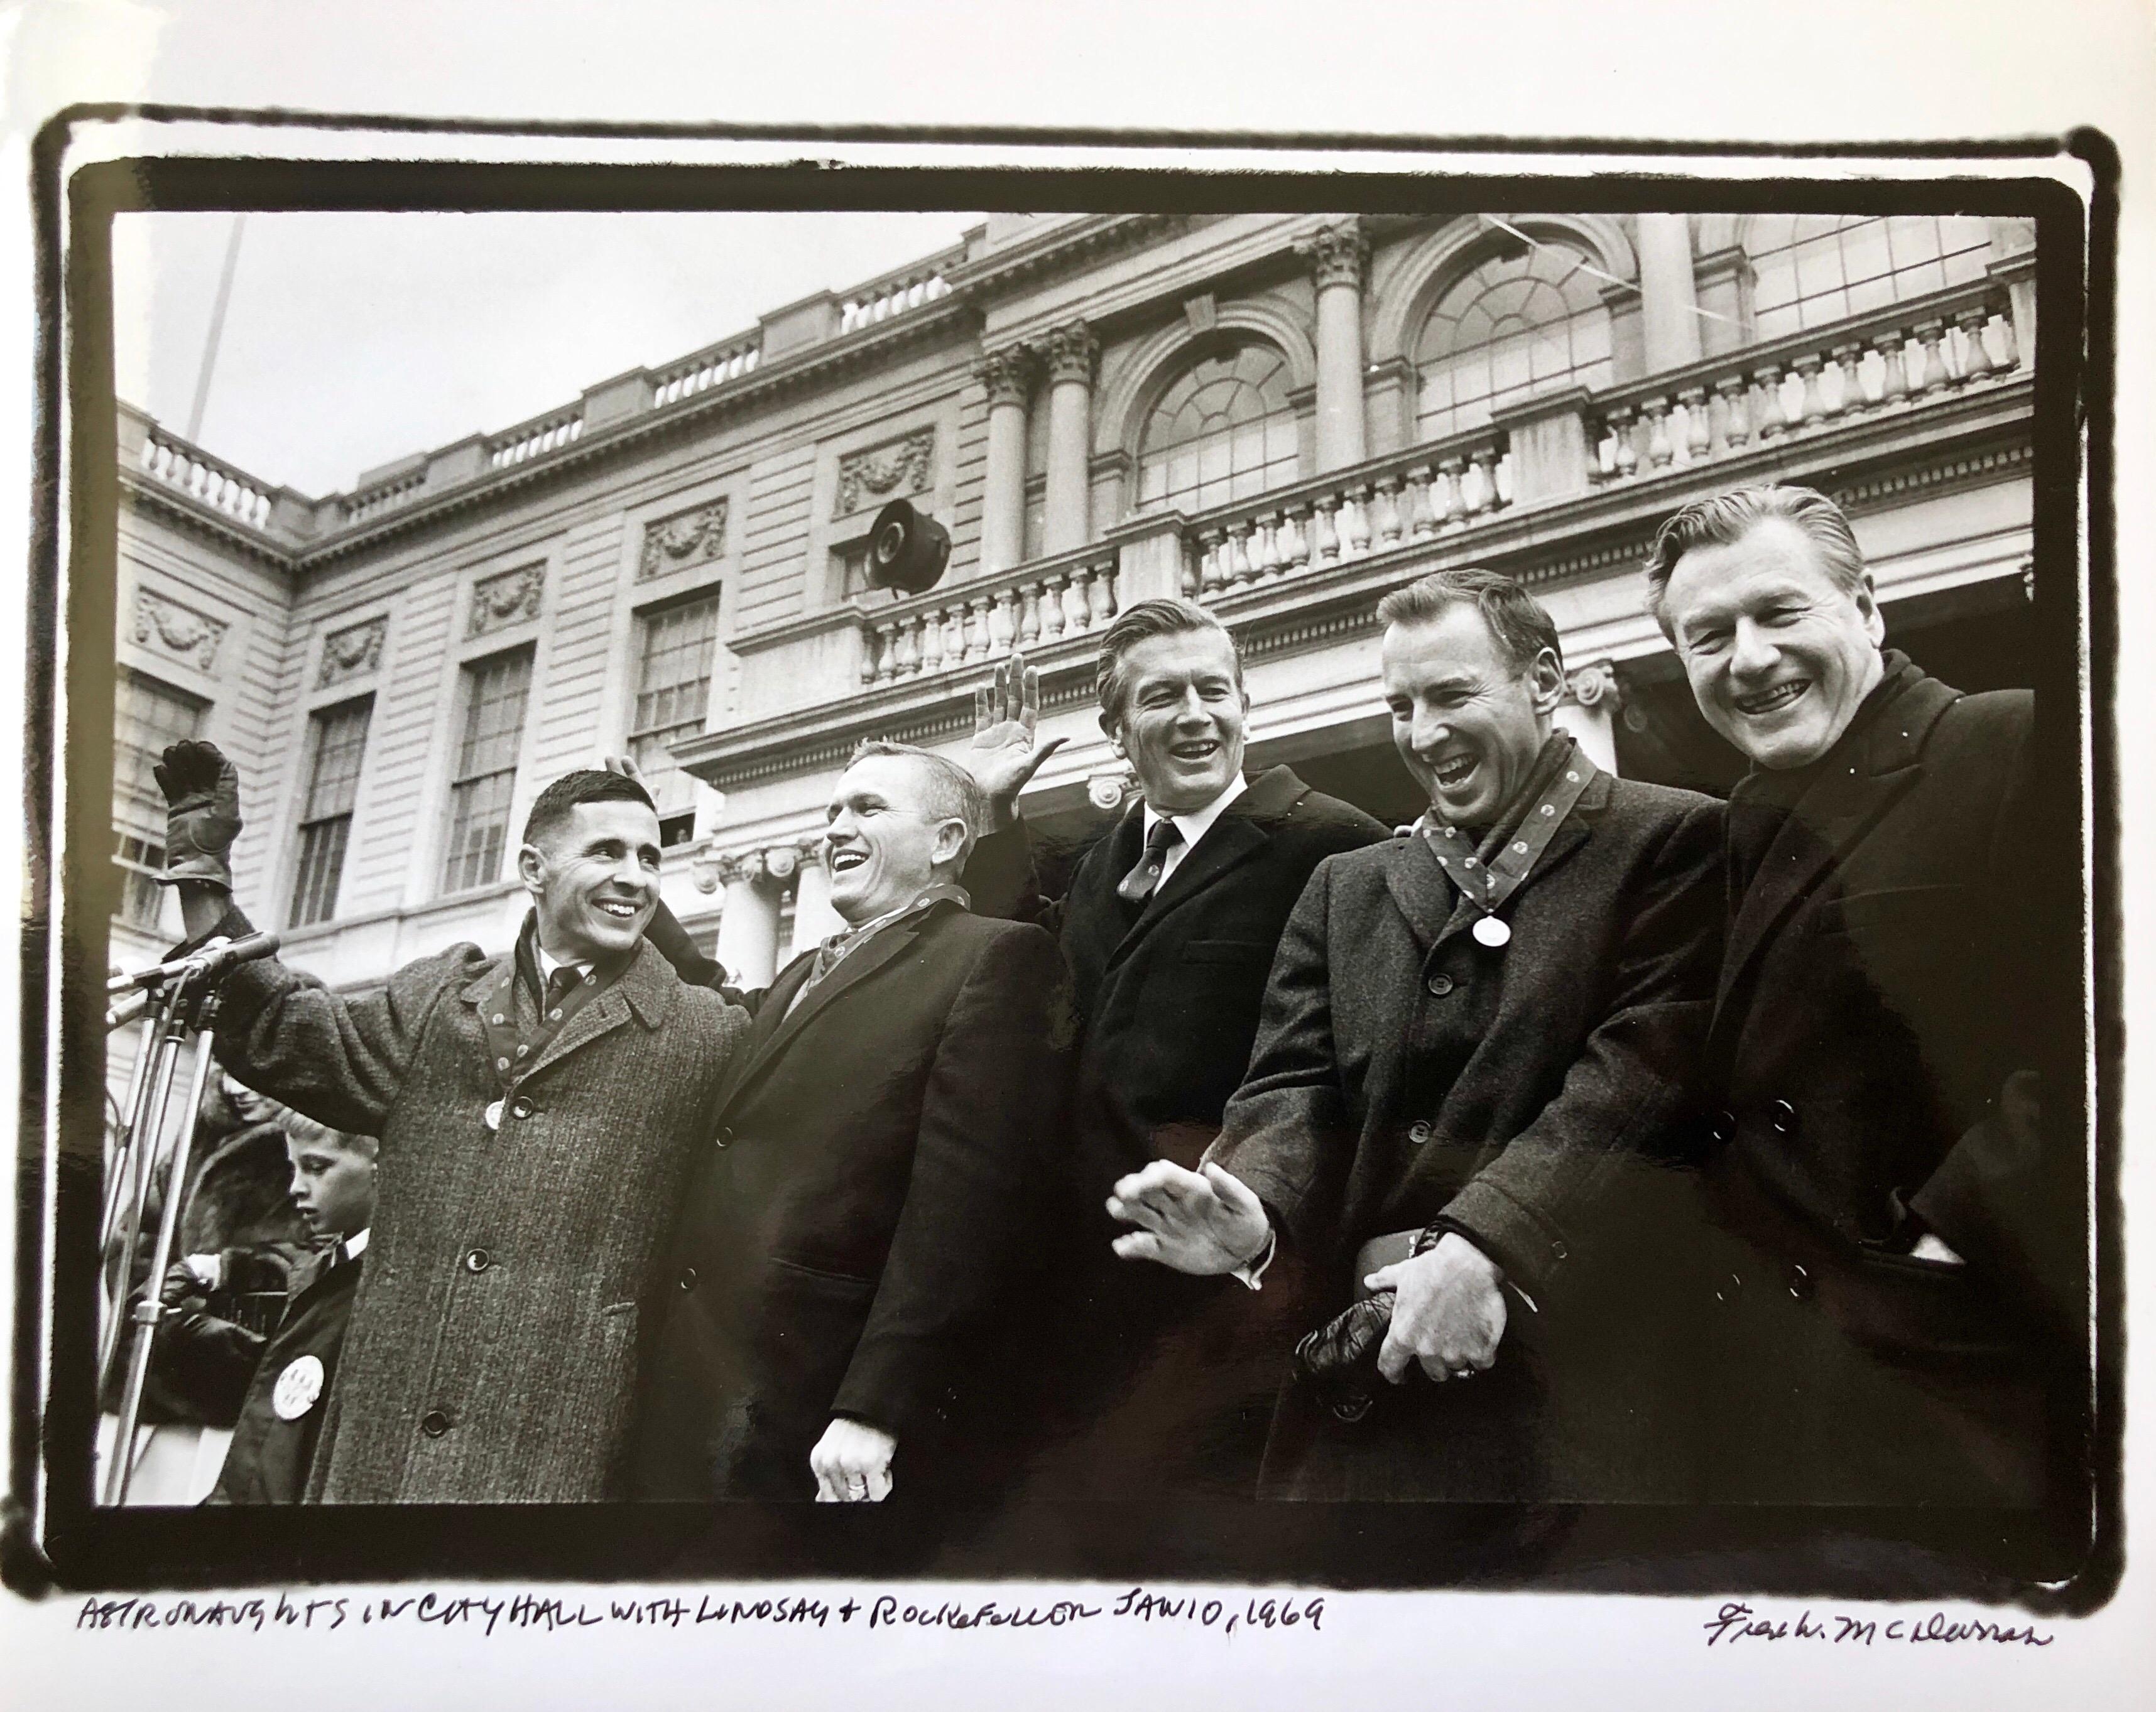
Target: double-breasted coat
{"type": "Point", "coordinates": [1886, 976]}
{"type": "Point", "coordinates": [492, 1353]}
{"type": "Point", "coordinates": [1151, 1380]}
{"type": "Point", "coordinates": [860, 1208]}
{"type": "Point", "coordinates": [1407, 1074]}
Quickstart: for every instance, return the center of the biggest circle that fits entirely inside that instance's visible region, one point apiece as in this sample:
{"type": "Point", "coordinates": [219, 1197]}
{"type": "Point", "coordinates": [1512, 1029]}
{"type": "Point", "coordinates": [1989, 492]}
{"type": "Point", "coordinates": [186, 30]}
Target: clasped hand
{"type": "Point", "coordinates": [1203, 1223]}
{"type": "Point", "coordinates": [851, 1463]}
{"type": "Point", "coordinates": [1448, 1311]}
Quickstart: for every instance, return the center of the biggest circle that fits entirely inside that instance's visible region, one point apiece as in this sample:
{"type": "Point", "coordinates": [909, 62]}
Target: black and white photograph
{"type": "Point", "coordinates": [1349, 870]}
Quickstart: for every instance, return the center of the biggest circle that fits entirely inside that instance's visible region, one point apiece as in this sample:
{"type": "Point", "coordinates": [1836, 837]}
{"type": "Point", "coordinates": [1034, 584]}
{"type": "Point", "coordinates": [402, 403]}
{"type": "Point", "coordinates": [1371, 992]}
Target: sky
{"type": "Point", "coordinates": [352, 340]}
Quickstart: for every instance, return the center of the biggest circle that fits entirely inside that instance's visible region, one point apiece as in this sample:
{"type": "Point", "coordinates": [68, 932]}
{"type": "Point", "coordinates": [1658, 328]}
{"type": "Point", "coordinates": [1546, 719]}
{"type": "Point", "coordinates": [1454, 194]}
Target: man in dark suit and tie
{"type": "Point", "coordinates": [854, 1232]}
{"type": "Point", "coordinates": [1475, 1037]}
{"type": "Point", "coordinates": [1169, 921]}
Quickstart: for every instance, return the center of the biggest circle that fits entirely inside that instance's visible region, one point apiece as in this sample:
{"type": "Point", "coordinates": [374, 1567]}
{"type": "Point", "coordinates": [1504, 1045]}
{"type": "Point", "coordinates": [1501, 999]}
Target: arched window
{"type": "Point", "coordinates": [1808, 269]}
{"type": "Point", "coordinates": [1224, 431]}
{"type": "Point", "coordinates": [1519, 324]}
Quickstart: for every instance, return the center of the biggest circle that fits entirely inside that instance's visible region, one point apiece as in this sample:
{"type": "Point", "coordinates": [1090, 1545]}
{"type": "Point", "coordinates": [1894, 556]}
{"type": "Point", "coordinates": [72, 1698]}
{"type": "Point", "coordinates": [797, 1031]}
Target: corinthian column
{"type": "Point", "coordinates": [1008, 375]}
{"type": "Point", "coordinates": [1072, 352]}
{"type": "Point", "coordinates": [1339, 258]}
{"type": "Point", "coordinates": [748, 929]}
{"type": "Point", "coordinates": [1589, 710]}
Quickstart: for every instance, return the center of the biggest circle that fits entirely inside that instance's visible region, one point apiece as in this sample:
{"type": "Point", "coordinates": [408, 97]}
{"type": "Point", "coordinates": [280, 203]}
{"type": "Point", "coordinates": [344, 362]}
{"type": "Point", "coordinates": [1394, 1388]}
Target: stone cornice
{"type": "Point", "coordinates": [1065, 246]}
{"type": "Point", "coordinates": [147, 491]}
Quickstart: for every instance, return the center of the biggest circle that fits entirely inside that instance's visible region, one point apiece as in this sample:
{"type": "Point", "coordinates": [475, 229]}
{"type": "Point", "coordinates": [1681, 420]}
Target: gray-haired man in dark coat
{"type": "Point", "coordinates": [536, 1110]}
{"type": "Point", "coordinates": [1474, 1039]}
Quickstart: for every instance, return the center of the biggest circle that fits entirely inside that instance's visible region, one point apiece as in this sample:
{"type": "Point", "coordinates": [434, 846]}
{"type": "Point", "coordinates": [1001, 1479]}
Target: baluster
{"type": "Point", "coordinates": [1622, 417]}
{"type": "Point", "coordinates": [932, 641]}
{"type": "Point", "coordinates": [1029, 616]}
{"type": "Point", "coordinates": [878, 665]}
{"type": "Point", "coordinates": [1976, 361]}
{"type": "Point", "coordinates": [1325, 538]}
{"type": "Point", "coordinates": [1698, 435]}
{"type": "Point", "coordinates": [1213, 569]}
{"type": "Point", "coordinates": [1659, 452]}
{"type": "Point", "coordinates": [1238, 554]}
{"type": "Point", "coordinates": [1051, 606]}
{"type": "Point", "coordinates": [978, 645]}
{"type": "Point", "coordinates": [1265, 556]}
{"type": "Point", "coordinates": [1355, 509]}
{"type": "Point", "coordinates": [1814, 407]}
{"type": "Point", "coordinates": [1895, 388]}
{"type": "Point", "coordinates": [1101, 598]}
{"type": "Point", "coordinates": [1295, 543]}
{"type": "Point", "coordinates": [1002, 622]}
{"type": "Point", "coordinates": [1485, 460]}
{"type": "Point", "coordinates": [1076, 613]}
{"type": "Point", "coordinates": [1386, 520]}
{"type": "Point", "coordinates": [1849, 358]}
{"type": "Point", "coordinates": [2010, 354]}
{"type": "Point", "coordinates": [906, 659]}
{"type": "Point", "coordinates": [1422, 521]}
{"type": "Point", "coordinates": [954, 633]}
{"type": "Point", "coordinates": [1190, 571]}
{"type": "Point", "coordinates": [1771, 419]}
{"type": "Point", "coordinates": [1929, 334]}
{"type": "Point", "coordinates": [1736, 422]}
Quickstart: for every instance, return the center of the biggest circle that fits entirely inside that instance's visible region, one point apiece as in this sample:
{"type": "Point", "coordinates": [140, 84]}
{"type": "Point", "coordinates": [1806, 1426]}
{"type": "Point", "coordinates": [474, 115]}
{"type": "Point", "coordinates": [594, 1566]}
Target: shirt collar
{"type": "Point", "coordinates": [942, 891]}
{"type": "Point", "coordinates": [1194, 825]}
{"type": "Point", "coordinates": [539, 967]}
{"type": "Point", "coordinates": [355, 1245]}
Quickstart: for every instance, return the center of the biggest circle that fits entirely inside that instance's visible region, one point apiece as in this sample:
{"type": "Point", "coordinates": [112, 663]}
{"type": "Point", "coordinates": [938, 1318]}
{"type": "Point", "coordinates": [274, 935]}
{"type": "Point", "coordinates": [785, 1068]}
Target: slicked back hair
{"type": "Point", "coordinates": [308, 1133]}
{"type": "Point", "coordinates": [953, 792]}
{"type": "Point", "coordinates": [1141, 623]}
{"type": "Point", "coordinates": [551, 812]}
{"type": "Point", "coordinates": [1519, 624]}
{"type": "Point", "coordinates": [1725, 518]}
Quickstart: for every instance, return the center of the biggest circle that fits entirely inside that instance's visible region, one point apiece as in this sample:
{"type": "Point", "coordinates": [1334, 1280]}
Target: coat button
{"type": "Point", "coordinates": [1723, 1126]}
{"type": "Point", "coordinates": [1440, 985]}
{"type": "Point", "coordinates": [725, 1138]}
{"type": "Point", "coordinates": [688, 1279]}
{"type": "Point", "coordinates": [1783, 1117]}
{"type": "Point", "coordinates": [433, 1423]}
{"type": "Point", "coordinates": [1730, 1288]}
{"type": "Point", "coordinates": [478, 1260]}
{"type": "Point", "coordinates": [520, 1107]}
{"type": "Point", "coordinates": [1800, 1283]}
{"type": "Point", "coordinates": [1559, 1252]}
{"type": "Point", "coordinates": [1419, 1131]}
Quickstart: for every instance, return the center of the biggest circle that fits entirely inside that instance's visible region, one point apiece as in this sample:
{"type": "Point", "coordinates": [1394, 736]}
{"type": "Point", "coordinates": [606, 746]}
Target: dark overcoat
{"type": "Point", "coordinates": [1882, 982]}
{"type": "Point", "coordinates": [492, 1352]}
{"type": "Point", "coordinates": [1150, 1379]}
{"type": "Point", "coordinates": [1407, 1074]}
{"type": "Point", "coordinates": [859, 1211]}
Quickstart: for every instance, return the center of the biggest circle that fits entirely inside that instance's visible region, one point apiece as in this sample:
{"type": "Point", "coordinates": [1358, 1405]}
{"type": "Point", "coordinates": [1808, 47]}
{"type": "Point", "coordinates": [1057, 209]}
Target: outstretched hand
{"type": "Point", "coordinates": [201, 814]}
{"type": "Point", "coordinates": [1007, 751]}
{"type": "Point", "coordinates": [1203, 1223]}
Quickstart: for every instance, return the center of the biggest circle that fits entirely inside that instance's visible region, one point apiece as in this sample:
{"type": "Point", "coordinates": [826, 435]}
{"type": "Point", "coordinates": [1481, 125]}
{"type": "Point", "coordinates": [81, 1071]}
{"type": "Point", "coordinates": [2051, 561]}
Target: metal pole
{"type": "Point", "coordinates": [144, 1145]}
{"type": "Point", "coordinates": [119, 1158]}
{"type": "Point", "coordinates": [145, 1313]}
{"type": "Point", "coordinates": [216, 328]}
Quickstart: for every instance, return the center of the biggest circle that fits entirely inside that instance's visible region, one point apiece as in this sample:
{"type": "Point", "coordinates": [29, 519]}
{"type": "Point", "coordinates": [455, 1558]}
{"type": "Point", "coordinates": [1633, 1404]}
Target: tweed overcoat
{"type": "Point", "coordinates": [865, 1203]}
{"type": "Point", "coordinates": [491, 1356]}
{"type": "Point", "coordinates": [1885, 976]}
{"type": "Point", "coordinates": [1407, 1074]}
{"type": "Point", "coordinates": [1151, 1380]}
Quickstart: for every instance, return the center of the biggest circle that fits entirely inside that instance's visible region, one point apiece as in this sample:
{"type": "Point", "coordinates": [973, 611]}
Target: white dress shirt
{"type": "Point", "coordinates": [1193, 826]}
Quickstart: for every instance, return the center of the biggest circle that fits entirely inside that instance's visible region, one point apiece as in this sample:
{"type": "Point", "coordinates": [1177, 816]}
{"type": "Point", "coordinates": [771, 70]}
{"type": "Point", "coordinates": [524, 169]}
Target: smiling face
{"type": "Point", "coordinates": [332, 1182]}
{"type": "Point", "coordinates": [595, 880]}
{"type": "Point", "coordinates": [1181, 723]}
{"type": "Point", "coordinates": [1779, 655]}
{"type": "Point", "coordinates": [886, 838]}
{"type": "Point", "coordinates": [1467, 721]}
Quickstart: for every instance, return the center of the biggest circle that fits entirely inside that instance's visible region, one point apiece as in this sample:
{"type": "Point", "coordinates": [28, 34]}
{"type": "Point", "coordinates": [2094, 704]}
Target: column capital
{"type": "Point", "coordinates": [1072, 351]}
{"type": "Point", "coordinates": [1009, 374]}
{"type": "Point", "coordinates": [808, 851]}
{"type": "Point", "coordinates": [1338, 255]}
{"type": "Point", "coordinates": [1590, 685]}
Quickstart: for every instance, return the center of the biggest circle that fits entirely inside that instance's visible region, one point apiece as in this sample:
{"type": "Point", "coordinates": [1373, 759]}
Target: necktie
{"type": "Point", "coordinates": [1138, 883]}
{"type": "Point", "coordinates": [559, 986]}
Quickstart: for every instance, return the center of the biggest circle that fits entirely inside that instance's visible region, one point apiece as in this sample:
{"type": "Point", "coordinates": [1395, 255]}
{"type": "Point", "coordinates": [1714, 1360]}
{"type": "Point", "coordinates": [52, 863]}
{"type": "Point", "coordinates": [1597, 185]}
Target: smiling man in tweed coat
{"type": "Point", "coordinates": [536, 1112]}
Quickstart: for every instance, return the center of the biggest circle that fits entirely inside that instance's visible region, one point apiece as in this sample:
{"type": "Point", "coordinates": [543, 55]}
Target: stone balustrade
{"type": "Point", "coordinates": [384, 496]}
{"type": "Point", "coordinates": [537, 438]}
{"type": "Point", "coordinates": [1905, 355]}
{"type": "Point", "coordinates": [1415, 496]}
{"type": "Point", "coordinates": [1032, 607]}
{"type": "Point", "coordinates": [167, 458]}
{"type": "Point", "coordinates": [893, 294]}
{"type": "Point", "coordinates": [712, 366]}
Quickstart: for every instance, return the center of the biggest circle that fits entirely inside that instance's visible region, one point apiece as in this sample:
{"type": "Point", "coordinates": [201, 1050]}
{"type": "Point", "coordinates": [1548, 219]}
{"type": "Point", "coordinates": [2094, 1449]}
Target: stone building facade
{"type": "Point", "coordinates": [1281, 416]}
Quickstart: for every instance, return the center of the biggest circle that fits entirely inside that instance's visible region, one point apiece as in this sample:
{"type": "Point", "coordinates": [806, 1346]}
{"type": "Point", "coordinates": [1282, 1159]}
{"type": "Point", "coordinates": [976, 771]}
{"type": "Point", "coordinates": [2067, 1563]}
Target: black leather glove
{"type": "Point", "coordinates": [1339, 1359]}
{"type": "Point", "coordinates": [201, 814]}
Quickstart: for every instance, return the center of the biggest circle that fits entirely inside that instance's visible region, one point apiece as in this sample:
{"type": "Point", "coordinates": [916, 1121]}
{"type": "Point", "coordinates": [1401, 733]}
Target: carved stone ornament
{"type": "Point", "coordinates": [507, 597]}
{"type": "Point", "coordinates": [1009, 374]}
{"type": "Point", "coordinates": [352, 652]}
{"type": "Point", "coordinates": [178, 632]}
{"type": "Point", "coordinates": [1338, 255]}
{"type": "Point", "coordinates": [1072, 352]}
{"type": "Point", "coordinates": [1591, 685]}
{"type": "Point", "coordinates": [895, 470]}
{"type": "Point", "coordinates": [688, 538]}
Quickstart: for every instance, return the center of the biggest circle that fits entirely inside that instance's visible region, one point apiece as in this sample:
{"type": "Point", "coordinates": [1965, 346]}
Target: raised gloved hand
{"type": "Point", "coordinates": [201, 814]}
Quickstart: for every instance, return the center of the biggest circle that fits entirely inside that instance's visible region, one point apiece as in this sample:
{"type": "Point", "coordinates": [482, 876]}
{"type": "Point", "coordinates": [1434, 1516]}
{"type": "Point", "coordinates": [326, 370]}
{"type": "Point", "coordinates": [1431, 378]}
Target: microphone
{"type": "Point", "coordinates": [207, 963]}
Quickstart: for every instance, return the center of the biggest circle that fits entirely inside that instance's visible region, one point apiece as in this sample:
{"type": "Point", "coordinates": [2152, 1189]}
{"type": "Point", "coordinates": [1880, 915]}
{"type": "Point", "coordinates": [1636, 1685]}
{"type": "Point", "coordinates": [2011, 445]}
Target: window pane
{"type": "Point", "coordinates": [486, 770]}
{"type": "Point", "coordinates": [1504, 330]}
{"type": "Point", "coordinates": [1222, 446]}
{"type": "Point", "coordinates": [321, 866]}
{"type": "Point", "coordinates": [147, 717]}
{"type": "Point", "coordinates": [340, 746]}
{"type": "Point", "coordinates": [673, 695]}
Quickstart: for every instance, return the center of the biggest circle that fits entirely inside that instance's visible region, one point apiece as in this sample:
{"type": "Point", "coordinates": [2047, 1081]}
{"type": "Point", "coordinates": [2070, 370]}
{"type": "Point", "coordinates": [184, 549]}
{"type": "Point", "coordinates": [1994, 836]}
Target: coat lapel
{"type": "Point", "coordinates": [642, 990]}
{"type": "Point", "coordinates": [1433, 905]}
{"type": "Point", "coordinates": [1235, 838]}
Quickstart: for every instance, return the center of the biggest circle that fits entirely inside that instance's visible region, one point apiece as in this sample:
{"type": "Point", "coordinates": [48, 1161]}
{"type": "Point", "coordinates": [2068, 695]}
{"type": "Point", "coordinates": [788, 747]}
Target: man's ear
{"type": "Point", "coordinates": [532, 868]}
{"type": "Point", "coordinates": [950, 840]}
{"type": "Point", "coordinates": [1112, 728]}
{"type": "Point", "coordinates": [1546, 679]}
{"type": "Point", "coordinates": [1867, 603]}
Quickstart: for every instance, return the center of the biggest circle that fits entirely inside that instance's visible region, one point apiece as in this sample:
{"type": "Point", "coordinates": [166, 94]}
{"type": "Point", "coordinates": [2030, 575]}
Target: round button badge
{"type": "Point", "coordinates": [297, 1388]}
{"type": "Point", "coordinates": [1490, 931]}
